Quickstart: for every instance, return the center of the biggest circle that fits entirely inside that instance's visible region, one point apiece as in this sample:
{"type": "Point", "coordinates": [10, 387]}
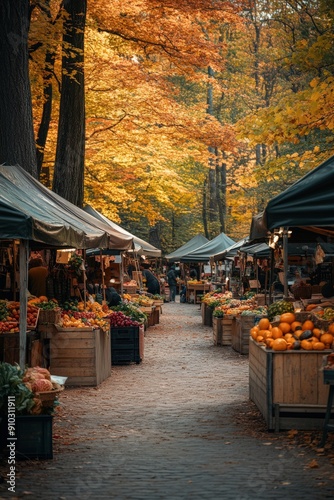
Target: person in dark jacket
{"type": "Point", "coordinates": [152, 283]}
{"type": "Point", "coordinates": [172, 282]}
{"type": "Point", "coordinates": [112, 296]}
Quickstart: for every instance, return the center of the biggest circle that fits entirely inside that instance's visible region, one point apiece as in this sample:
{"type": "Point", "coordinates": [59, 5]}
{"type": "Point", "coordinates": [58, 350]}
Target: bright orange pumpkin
{"type": "Point", "coordinates": [264, 324]}
{"type": "Point", "coordinates": [285, 327]}
{"type": "Point", "coordinates": [287, 317]}
{"type": "Point", "coordinates": [276, 332]}
{"type": "Point", "coordinates": [279, 345]}
{"type": "Point", "coordinates": [308, 325]}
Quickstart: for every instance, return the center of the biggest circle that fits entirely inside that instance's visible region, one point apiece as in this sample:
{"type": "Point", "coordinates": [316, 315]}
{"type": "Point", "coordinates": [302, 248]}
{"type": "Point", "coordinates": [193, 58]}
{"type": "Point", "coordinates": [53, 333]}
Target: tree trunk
{"type": "Point", "coordinates": [204, 210]}
{"type": "Point", "coordinates": [17, 143]}
{"type": "Point", "coordinates": [221, 193]}
{"type": "Point", "coordinates": [68, 179]}
{"type": "Point", "coordinates": [46, 115]}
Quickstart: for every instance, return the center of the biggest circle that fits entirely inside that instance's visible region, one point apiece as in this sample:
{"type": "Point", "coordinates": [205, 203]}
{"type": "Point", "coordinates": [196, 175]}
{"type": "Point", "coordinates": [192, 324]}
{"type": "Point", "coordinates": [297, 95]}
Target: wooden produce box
{"type": "Point", "coordinates": [206, 312]}
{"type": "Point", "coordinates": [240, 334]}
{"type": "Point", "coordinates": [10, 349]}
{"type": "Point", "coordinates": [228, 325]}
{"type": "Point", "coordinates": [288, 387]}
{"type": "Point", "coordinates": [217, 330]}
{"type": "Point", "coordinates": [84, 356]}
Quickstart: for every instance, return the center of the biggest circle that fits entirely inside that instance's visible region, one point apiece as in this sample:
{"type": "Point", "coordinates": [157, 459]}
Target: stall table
{"type": "Point", "coordinates": [195, 290]}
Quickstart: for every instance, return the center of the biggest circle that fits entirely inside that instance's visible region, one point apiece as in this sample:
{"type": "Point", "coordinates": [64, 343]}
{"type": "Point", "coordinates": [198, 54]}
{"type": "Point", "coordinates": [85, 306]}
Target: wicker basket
{"type": "Point", "coordinates": [302, 292]}
{"type": "Point", "coordinates": [48, 398]}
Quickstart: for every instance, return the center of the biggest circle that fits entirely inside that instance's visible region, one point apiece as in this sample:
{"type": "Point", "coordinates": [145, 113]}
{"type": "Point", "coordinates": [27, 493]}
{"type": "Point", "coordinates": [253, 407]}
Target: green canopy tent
{"type": "Point", "coordinates": [189, 246]}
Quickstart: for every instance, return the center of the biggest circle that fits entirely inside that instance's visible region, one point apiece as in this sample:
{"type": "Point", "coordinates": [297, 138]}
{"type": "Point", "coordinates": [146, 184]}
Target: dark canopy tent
{"type": "Point", "coordinates": [30, 211]}
{"type": "Point", "coordinates": [305, 208]}
{"type": "Point", "coordinates": [307, 203]}
{"type": "Point", "coordinates": [191, 245]}
{"type": "Point", "coordinates": [141, 247]}
{"type": "Point", "coordinates": [204, 252]}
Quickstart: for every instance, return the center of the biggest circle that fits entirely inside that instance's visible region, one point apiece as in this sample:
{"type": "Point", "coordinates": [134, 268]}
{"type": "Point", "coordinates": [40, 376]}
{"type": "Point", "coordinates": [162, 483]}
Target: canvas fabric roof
{"type": "Point", "coordinates": [212, 247]}
{"type": "Point", "coordinates": [308, 203]}
{"type": "Point", "coordinates": [30, 211]}
{"type": "Point", "coordinates": [230, 251]}
{"type": "Point", "coordinates": [142, 247]}
{"type": "Point", "coordinates": [189, 246]}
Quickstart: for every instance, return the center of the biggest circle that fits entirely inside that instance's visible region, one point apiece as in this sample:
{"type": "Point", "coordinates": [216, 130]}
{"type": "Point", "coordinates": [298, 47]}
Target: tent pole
{"type": "Point", "coordinates": [122, 274]}
{"type": "Point", "coordinates": [102, 269]}
{"type": "Point", "coordinates": [285, 261]}
{"type": "Point", "coordinates": [24, 252]}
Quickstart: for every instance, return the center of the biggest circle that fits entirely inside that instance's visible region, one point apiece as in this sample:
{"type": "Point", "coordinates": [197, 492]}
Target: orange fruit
{"type": "Point", "coordinates": [276, 332]}
{"type": "Point", "coordinates": [263, 324]}
{"type": "Point", "coordinates": [308, 325]}
{"type": "Point", "coordinates": [294, 325]}
{"type": "Point", "coordinates": [287, 318]}
{"type": "Point", "coordinates": [285, 327]}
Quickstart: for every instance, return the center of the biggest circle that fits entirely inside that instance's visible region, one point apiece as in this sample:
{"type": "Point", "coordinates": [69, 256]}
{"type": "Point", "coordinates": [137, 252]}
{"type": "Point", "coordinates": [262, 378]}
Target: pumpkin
{"type": "Point", "coordinates": [285, 327]}
{"type": "Point", "coordinates": [43, 298]}
{"type": "Point", "coordinates": [253, 334]}
{"type": "Point", "coordinates": [318, 346]}
{"type": "Point", "coordinates": [308, 325]}
{"type": "Point", "coordinates": [279, 345]}
{"type": "Point", "coordinates": [287, 317]}
{"type": "Point", "coordinates": [276, 332]}
{"type": "Point", "coordinates": [331, 328]}
{"type": "Point", "coordinates": [317, 332]}
{"type": "Point", "coordinates": [307, 345]}
{"type": "Point", "coordinates": [42, 385]}
{"type": "Point", "coordinates": [327, 339]}
{"type": "Point", "coordinates": [295, 324]}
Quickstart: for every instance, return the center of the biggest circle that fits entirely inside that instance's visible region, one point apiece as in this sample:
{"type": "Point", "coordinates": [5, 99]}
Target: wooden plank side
{"type": "Point", "coordinates": [308, 378]}
{"type": "Point", "coordinates": [73, 363]}
{"type": "Point", "coordinates": [102, 357]}
{"type": "Point", "coordinates": [291, 378]}
{"type": "Point", "coordinates": [74, 371]}
{"type": "Point", "coordinates": [278, 376]}
{"type": "Point", "coordinates": [72, 343]}
{"type": "Point", "coordinates": [77, 354]}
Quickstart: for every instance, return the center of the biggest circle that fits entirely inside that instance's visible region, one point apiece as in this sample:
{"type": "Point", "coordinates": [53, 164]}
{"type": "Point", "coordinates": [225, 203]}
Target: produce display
{"type": "Point", "coordinates": [84, 319]}
{"type": "Point", "coordinates": [279, 307]}
{"type": "Point", "coordinates": [10, 316]}
{"type": "Point", "coordinates": [291, 333]}
{"type": "Point", "coordinates": [119, 319]}
{"type": "Point", "coordinates": [132, 311]}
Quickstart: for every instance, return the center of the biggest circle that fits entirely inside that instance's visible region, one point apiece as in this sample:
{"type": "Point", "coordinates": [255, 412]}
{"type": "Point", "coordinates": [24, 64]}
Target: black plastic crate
{"type": "Point", "coordinates": [126, 335]}
{"type": "Point", "coordinates": [124, 356]}
{"type": "Point", "coordinates": [125, 345]}
{"type": "Point", "coordinates": [33, 436]}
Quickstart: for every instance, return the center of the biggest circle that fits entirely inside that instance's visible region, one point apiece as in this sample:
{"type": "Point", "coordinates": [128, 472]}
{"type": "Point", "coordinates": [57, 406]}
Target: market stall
{"type": "Point", "coordinates": [30, 216]}
{"type": "Point", "coordinates": [286, 382]}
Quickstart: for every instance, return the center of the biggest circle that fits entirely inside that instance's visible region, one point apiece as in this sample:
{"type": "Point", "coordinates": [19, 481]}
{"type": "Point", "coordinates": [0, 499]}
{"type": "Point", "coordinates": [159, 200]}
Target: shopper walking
{"type": "Point", "coordinates": [172, 282]}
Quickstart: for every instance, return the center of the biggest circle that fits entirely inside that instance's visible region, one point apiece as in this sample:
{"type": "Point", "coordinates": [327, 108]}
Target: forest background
{"type": "Point", "coordinates": [171, 118]}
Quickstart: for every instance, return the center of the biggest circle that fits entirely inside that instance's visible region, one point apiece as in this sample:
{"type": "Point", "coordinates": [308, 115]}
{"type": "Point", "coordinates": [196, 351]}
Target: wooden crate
{"type": "Point", "coordinates": [228, 324]}
{"type": "Point", "coordinates": [288, 387]}
{"type": "Point", "coordinates": [84, 356]}
{"type": "Point", "coordinates": [240, 334]}
{"type": "Point", "coordinates": [206, 312]}
{"type": "Point", "coordinates": [217, 330]}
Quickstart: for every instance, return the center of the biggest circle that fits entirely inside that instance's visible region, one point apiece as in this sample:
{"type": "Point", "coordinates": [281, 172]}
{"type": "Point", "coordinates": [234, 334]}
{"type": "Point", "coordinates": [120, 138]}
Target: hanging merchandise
{"type": "Point", "coordinates": [319, 254]}
{"type": "Point", "coordinates": [278, 256]}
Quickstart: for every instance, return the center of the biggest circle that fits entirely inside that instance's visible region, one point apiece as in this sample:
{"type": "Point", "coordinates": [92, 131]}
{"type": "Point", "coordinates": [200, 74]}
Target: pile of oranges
{"type": "Point", "coordinates": [290, 333]}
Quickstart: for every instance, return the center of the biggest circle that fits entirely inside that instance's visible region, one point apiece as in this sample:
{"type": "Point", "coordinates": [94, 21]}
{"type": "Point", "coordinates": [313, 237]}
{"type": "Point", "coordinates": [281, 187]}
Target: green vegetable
{"type": "Point", "coordinates": [11, 385]}
{"type": "Point", "coordinates": [278, 308]}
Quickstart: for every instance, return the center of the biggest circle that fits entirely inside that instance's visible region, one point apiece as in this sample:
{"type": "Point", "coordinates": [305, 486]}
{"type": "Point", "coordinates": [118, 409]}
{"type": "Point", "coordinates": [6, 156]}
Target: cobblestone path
{"type": "Point", "coordinates": [171, 428]}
